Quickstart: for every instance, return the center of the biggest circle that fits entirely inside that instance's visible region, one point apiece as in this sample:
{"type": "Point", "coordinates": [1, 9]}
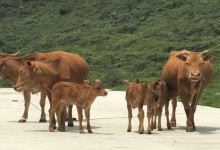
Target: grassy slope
{"type": "Point", "coordinates": [121, 39]}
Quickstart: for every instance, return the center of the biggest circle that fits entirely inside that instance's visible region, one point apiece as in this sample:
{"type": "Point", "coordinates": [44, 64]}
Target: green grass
{"type": "Point", "coordinates": [121, 39]}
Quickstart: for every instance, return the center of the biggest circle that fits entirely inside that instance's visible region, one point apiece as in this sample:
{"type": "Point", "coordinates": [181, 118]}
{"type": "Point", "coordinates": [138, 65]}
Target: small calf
{"type": "Point", "coordinates": [159, 86]}
{"type": "Point", "coordinates": [81, 95]}
{"type": "Point", "coordinates": [137, 95]}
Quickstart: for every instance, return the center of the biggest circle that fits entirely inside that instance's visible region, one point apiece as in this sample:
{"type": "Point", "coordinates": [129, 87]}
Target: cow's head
{"type": "Point", "coordinates": [98, 87]}
{"type": "Point", "coordinates": [9, 66]}
{"type": "Point", "coordinates": [26, 76]}
{"type": "Point", "coordinates": [194, 63]}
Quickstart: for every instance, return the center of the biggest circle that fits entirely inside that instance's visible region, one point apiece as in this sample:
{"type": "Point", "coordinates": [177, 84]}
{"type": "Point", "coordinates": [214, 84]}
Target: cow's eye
{"type": "Point", "coordinates": [21, 71]}
{"type": "Point", "coordinates": [98, 88]}
{"type": "Point", "coordinates": [188, 64]}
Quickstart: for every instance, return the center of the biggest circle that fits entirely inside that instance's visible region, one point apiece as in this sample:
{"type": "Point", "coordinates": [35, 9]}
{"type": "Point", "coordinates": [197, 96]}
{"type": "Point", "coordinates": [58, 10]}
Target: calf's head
{"type": "Point", "coordinates": [135, 90]}
{"type": "Point", "coordinates": [194, 62]}
{"type": "Point", "coordinates": [98, 87]}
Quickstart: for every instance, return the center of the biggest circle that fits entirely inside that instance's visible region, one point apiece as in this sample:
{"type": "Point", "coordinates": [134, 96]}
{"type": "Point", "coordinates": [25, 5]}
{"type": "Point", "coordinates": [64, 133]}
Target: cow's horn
{"type": "Point", "coordinates": [5, 54]}
{"type": "Point", "coordinates": [205, 51]}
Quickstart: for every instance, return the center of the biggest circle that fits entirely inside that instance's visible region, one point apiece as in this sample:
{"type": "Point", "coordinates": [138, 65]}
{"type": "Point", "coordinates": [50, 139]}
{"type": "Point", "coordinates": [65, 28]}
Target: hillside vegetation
{"type": "Point", "coordinates": [121, 39]}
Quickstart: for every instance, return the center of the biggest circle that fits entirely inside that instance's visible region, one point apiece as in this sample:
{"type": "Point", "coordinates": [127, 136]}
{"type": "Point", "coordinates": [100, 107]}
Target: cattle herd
{"type": "Point", "coordinates": [63, 78]}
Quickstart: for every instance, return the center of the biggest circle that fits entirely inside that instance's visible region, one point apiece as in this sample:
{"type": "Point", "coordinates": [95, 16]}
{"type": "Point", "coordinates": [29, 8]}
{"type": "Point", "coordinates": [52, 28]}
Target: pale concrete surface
{"type": "Point", "coordinates": [109, 124]}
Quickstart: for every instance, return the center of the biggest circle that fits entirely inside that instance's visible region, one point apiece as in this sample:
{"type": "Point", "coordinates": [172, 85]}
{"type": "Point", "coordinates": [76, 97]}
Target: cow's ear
{"type": "Point", "coordinates": [86, 82]}
{"type": "Point", "coordinates": [207, 57]}
{"type": "Point", "coordinates": [126, 82]}
{"type": "Point", "coordinates": [144, 85]}
{"type": "Point", "coordinates": [182, 56]}
{"type": "Point", "coordinates": [29, 63]}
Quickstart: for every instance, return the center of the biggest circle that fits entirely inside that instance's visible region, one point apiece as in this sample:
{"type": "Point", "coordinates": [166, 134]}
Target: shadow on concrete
{"type": "Point", "coordinates": [206, 129]}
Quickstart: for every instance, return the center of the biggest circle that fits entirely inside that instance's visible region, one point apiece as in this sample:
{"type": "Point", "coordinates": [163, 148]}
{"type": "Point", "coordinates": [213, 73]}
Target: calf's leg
{"type": "Point", "coordinates": [141, 119]}
{"type": "Point", "coordinates": [42, 105]}
{"type": "Point", "coordinates": [80, 116]}
{"type": "Point", "coordinates": [60, 120]}
{"type": "Point", "coordinates": [70, 117]}
{"type": "Point", "coordinates": [87, 114]}
{"type": "Point", "coordinates": [129, 117]}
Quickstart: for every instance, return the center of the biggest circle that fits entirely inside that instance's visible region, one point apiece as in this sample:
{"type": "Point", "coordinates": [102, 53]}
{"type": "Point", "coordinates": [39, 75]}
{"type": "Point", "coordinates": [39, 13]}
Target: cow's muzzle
{"type": "Point", "coordinates": [195, 76]}
{"type": "Point", "coordinates": [19, 87]}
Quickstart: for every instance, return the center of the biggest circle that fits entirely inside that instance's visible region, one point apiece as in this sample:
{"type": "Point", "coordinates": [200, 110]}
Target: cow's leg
{"type": "Point", "coordinates": [173, 118]}
{"type": "Point", "coordinates": [70, 117]}
{"type": "Point", "coordinates": [129, 117]}
{"type": "Point", "coordinates": [159, 113]}
{"type": "Point", "coordinates": [80, 117]}
{"type": "Point", "coordinates": [42, 105]}
{"type": "Point", "coordinates": [64, 114]}
{"type": "Point", "coordinates": [27, 99]}
{"type": "Point", "coordinates": [154, 118]}
{"type": "Point", "coordinates": [193, 108]}
{"type": "Point", "coordinates": [185, 100]}
{"type": "Point", "coordinates": [141, 119]}
{"type": "Point", "coordinates": [52, 122]}
{"type": "Point", "coordinates": [167, 114]}
{"type": "Point", "coordinates": [149, 117]}
{"type": "Point", "coordinates": [61, 125]}
{"type": "Point", "coordinates": [87, 114]}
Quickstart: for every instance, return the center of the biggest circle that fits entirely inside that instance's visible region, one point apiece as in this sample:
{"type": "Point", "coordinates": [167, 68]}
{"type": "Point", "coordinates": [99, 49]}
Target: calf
{"type": "Point", "coordinates": [137, 95]}
{"type": "Point", "coordinates": [159, 86]}
{"type": "Point", "coordinates": [69, 93]}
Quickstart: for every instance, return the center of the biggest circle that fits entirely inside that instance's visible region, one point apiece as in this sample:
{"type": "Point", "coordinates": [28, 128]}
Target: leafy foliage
{"type": "Point", "coordinates": [121, 39]}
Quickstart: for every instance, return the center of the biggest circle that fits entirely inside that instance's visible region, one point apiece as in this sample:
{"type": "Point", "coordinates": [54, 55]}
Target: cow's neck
{"type": "Point", "coordinates": [47, 77]}
{"type": "Point", "coordinates": [89, 95]}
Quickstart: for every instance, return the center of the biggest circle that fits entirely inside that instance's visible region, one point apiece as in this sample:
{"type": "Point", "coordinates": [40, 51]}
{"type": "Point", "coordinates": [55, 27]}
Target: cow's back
{"type": "Point", "coordinates": [71, 67]}
{"type": "Point", "coordinates": [170, 72]}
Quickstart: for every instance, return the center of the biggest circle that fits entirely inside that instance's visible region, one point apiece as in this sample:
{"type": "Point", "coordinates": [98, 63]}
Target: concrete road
{"type": "Point", "coordinates": [109, 124]}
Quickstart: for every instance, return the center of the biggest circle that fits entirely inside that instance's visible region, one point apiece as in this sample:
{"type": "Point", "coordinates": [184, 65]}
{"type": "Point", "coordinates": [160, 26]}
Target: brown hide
{"type": "Point", "coordinates": [9, 69]}
{"type": "Point", "coordinates": [53, 67]}
{"type": "Point", "coordinates": [81, 95]}
{"type": "Point", "coordinates": [59, 66]}
{"type": "Point", "coordinates": [186, 74]}
{"type": "Point", "coordinates": [159, 86]}
{"type": "Point", "coordinates": [137, 95]}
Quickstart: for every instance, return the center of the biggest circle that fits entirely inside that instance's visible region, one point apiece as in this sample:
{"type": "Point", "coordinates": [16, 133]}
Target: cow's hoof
{"type": "Point", "coordinates": [42, 120]}
{"type": "Point", "coordinates": [160, 129]}
{"type": "Point", "coordinates": [61, 129]}
{"type": "Point", "coordinates": [169, 126]}
{"type": "Point", "coordinates": [189, 129]}
{"type": "Point", "coordinates": [129, 130]}
{"type": "Point", "coordinates": [81, 132]}
{"type": "Point", "coordinates": [173, 124]}
{"type": "Point", "coordinates": [70, 125]}
{"type": "Point", "coordinates": [51, 129]}
{"type": "Point", "coordinates": [74, 119]}
{"type": "Point", "coordinates": [22, 120]}
{"type": "Point", "coordinates": [90, 131]}
{"type": "Point", "coordinates": [148, 131]}
{"type": "Point", "coordinates": [141, 132]}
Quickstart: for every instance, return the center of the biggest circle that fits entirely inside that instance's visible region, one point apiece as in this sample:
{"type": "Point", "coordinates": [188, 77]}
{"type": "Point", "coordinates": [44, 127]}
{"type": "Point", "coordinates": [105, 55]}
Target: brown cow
{"type": "Point", "coordinates": [186, 74]}
{"type": "Point", "coordinates": [137, 95]}
{"type": "Point", "coordinates": [55, 66]}
{"type": "Point", "coordinates": [159, 86]}
{"type": "Point", "coordinates": [69, 93]}
{"type": "Point", "coordinates": [9, 69]}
